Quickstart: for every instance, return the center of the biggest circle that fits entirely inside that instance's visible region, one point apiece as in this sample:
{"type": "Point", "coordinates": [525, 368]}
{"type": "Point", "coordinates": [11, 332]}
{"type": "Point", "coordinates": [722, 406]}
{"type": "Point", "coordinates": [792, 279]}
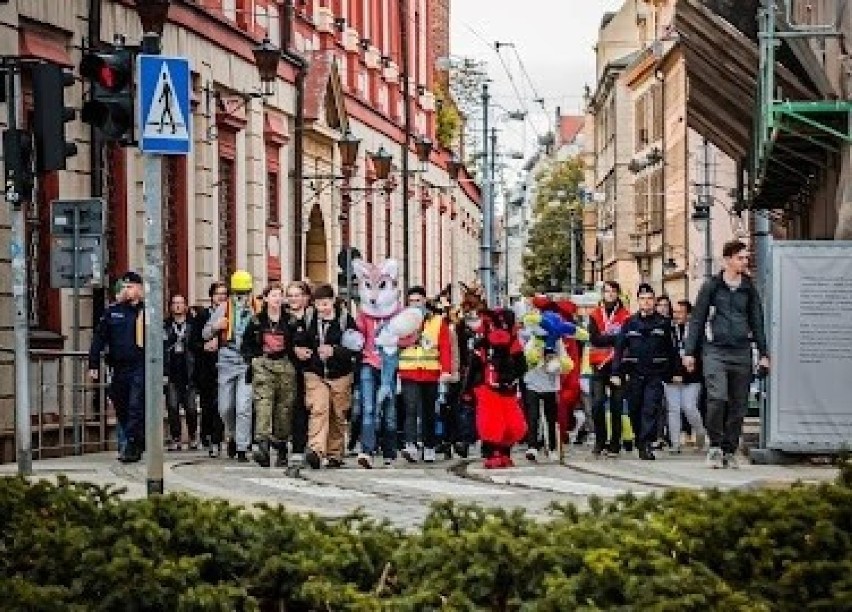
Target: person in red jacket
{"type": "Point", "coordinates": [422, 367]}
{"type": "Point", "coordinates": [605, 323]}
{"type": "Point", "coordinates": [568, 400]}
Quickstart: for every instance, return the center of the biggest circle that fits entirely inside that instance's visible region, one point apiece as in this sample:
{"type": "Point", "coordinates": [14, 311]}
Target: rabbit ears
{"type": "Point", "coordinates": [389, 268]}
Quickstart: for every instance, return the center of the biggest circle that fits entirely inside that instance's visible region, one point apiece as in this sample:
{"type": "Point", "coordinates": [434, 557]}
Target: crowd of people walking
{"type": "Point", "coordinates": [299, 377]}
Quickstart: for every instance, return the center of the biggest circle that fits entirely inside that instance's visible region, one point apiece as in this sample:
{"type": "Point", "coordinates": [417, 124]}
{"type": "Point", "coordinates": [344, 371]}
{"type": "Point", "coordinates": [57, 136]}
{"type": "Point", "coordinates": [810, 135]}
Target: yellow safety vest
{"type": "Point", "coordinates": [424, 355]}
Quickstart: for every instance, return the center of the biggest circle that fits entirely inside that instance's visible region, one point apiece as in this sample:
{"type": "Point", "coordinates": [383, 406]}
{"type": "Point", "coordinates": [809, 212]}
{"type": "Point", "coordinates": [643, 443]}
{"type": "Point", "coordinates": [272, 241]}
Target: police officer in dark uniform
{"type": "Point", "coordinates": [121, 333]}
{"type": "Point", "coordinates": [645, 351]}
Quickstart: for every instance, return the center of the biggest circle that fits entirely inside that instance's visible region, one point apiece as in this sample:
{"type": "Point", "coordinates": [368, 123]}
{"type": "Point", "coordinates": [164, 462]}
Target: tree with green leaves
{"type": "Point", "coordinates": [557, 209]}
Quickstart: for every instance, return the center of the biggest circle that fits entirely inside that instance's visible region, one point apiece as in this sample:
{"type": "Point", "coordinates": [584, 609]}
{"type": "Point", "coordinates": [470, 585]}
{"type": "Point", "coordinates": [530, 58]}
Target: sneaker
{"type": "Point", "coordinates": [334, 462]}
{"type": "Point", "coordinates": [365, 461]}
{"type": "Point", "coordinates": [429, 455]}
{"type": "Point", "coordinates": [242, 457]}
{"type": "Point", "coordinates": [214, 451]}
{"type": "Point", "coordinates": [131, 454]}
{"type": "Point", "coordinates": [261, 455]}
{"type": "Point", "coordinates": [531, 455]}
{"type": "Point", "coordinates": [409, 453]}
{"type": "Point", "coordinates": [313, 459]}
{"type": "Point", "coordinates": [729, 460]}
{"type": "Point", "coordinates": [715, 458]}
{"type": "Point", "coordinates": [460, 450]}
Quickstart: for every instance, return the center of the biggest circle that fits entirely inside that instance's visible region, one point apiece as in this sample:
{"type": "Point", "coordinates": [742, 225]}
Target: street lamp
{"type": "Point", "coordinates": [266, 57]}
{"type": "Point", "coordinates": [348, 145]}
{"type": "Point", "coordinates": [424, 149]}
{"type": "Point", "coordinates": [382, 161]}
{"type": "Point", "coordinates": [153, 15]}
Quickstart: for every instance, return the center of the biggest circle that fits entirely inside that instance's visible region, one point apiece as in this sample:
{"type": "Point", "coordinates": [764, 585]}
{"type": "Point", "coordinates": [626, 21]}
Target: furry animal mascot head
{"type": "Point", "coordinates": [378, 286]}
{"type": "Point", "coordinates": [498, 336]}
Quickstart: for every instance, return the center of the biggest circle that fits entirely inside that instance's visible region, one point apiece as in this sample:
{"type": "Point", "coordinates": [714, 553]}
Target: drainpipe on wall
{"type": "Point", "coordinates": [406, 145]}
{"type": "Point", "coordinates": [301, 65]}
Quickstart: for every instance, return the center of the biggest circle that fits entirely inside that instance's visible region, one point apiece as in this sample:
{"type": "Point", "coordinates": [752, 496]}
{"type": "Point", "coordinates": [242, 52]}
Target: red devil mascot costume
{"type": "Point", "coordinates": [496, 366]}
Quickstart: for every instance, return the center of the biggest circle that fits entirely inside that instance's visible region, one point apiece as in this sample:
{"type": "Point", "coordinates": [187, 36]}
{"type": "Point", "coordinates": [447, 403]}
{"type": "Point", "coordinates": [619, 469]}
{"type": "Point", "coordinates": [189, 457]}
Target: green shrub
{"type": "Point", "coordinates": [80, 547]}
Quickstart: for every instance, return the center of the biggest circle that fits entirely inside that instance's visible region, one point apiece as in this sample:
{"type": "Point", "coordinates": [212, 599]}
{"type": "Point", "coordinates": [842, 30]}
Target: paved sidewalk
{"type": "Point", "coordinates": [403, 493]}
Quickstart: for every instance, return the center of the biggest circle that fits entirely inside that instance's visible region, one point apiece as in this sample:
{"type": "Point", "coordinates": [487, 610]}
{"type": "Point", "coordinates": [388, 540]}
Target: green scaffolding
{"type": "Point", "coordinates": [824, 124]}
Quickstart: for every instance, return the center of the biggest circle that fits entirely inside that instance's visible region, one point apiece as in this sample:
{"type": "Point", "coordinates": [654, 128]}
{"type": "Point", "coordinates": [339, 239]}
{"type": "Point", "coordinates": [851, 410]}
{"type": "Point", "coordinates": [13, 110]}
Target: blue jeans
{"type": "Point", "coordinates": [373, 417]}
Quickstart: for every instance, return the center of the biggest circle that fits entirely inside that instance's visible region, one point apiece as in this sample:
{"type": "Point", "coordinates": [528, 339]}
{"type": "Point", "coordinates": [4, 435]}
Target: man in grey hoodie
{"type": "Point", "coordinates": [726, 321]}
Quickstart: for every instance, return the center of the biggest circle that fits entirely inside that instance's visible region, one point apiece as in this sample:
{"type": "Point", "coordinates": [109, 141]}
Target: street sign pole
{"type": "Point", "coordinates": [75, 335]}
{"type": "Point", "coordinates": [152, 199]}
{"type": "Point", "coordinates": [23, 427]}
{"type": "Point", "coordinates": [165, 120]}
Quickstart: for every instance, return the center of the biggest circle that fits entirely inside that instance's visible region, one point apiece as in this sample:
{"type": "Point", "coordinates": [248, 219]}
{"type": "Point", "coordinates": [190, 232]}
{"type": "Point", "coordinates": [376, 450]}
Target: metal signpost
{"type": "Point", "coordinates": [13, 182]}
{"type": "Point", "coordinates": [76, 259]}
{"type": "Point", "coordinates": [164, 121]}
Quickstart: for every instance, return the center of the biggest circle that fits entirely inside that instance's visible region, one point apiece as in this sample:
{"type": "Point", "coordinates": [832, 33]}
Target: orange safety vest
{"type": "Point", "coordinates": [600, 356]}
{"type": "Point", "coordinates": [424, 355]}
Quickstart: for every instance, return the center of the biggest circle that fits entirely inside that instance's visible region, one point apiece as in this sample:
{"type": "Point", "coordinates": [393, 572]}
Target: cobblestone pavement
{"type": "Point", "coordinates": [403, 493]}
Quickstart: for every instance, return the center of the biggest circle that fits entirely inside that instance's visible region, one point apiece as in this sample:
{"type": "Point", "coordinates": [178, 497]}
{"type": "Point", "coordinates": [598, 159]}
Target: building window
{"type": "Point", "coordinates": [657, 112]}
{"type": "Point", "coordinates": [640, 210]}
{"type": "Point", "coordinates": [116, 214]}
{"type": "Point", "coordinates": [174, 239]}
{"type": "Point", "coordinates": [656, 201]}
{"type": "Point", "coordinates": [227, 218]}
{"type": "Point", "coordinates": [272, 205]}
{"type": "Point", "coordinates": [368, 229]}
{"type": "Point", "coordinates": [640, 120]}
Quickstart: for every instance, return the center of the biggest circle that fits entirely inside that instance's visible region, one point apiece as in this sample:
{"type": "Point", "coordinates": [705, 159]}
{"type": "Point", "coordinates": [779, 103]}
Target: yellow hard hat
{"type": "Point", "coordinates": [241, 282]}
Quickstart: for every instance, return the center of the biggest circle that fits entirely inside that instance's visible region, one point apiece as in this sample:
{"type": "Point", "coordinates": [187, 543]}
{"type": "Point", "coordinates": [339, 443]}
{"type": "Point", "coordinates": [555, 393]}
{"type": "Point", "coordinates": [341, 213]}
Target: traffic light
{"type": "Point", "coordinates": [50, 116]}
{"type": "Point", "coordinates": [110, 106]}
{"type": "Point", "coordinates": [18, 162]}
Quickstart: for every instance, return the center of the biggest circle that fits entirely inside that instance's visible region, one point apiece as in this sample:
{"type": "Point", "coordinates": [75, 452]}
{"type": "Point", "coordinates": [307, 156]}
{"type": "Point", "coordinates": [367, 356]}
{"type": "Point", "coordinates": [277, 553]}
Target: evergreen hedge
{"type": "Point", "coordinates": [80, 547]}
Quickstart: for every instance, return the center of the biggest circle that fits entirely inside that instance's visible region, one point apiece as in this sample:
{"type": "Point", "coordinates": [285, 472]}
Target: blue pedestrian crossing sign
{"type": "Point", "coordinates": [164, 114]}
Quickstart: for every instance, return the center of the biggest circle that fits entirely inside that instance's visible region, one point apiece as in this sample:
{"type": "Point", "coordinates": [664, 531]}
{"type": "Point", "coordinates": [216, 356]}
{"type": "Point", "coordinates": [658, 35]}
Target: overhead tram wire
{"type": "Point", "coordinates": [520, 98]}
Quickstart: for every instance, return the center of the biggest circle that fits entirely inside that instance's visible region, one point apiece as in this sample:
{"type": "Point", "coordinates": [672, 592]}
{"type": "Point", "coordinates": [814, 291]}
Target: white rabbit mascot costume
{"type": "Point", "coordinates": [385, 325]}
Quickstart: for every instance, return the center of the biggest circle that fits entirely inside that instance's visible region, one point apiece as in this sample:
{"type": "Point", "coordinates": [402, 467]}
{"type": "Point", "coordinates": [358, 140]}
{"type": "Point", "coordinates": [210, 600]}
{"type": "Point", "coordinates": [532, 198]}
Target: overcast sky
{"type": "Point", "coordinates": [553, 40]}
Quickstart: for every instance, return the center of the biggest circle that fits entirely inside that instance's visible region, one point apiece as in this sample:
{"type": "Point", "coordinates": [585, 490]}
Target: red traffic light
{"type": "Point", "coordinates": [112, 71]}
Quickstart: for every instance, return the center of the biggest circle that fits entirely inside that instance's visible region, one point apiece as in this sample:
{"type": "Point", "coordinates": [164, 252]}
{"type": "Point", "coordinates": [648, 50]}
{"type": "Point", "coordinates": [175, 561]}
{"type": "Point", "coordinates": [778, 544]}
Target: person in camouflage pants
{"type": "Point", "coordinates": [267, 343]}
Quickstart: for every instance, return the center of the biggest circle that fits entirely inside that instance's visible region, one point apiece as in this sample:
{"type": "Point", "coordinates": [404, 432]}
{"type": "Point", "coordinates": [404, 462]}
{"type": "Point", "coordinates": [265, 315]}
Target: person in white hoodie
{"type": "Point", "coordinates": [541, 386]}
